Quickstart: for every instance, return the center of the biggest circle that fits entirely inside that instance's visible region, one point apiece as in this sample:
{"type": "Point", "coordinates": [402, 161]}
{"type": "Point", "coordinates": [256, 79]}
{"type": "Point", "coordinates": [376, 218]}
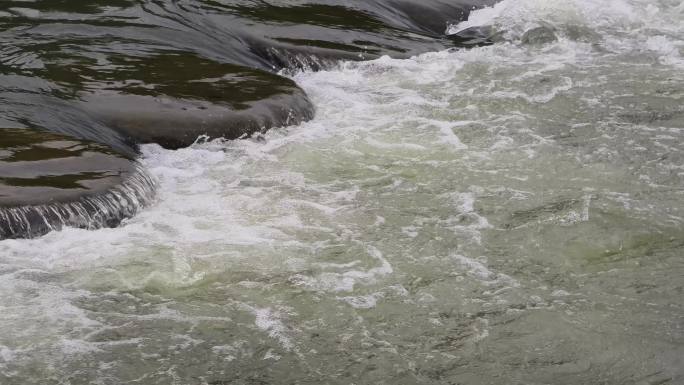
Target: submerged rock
{"type": "Point", "coordinates": [539, 36]}
{"type": "Point", "coordinates": [582, 34]}
{"type": "Point", "coordinates": [476, 36]}
{"type": "Point", "coordinates": [48, 181]}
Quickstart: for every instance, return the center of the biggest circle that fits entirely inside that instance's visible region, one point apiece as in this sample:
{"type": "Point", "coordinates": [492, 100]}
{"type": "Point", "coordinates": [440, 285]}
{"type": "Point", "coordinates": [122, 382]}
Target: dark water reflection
{"type": "Point", "coordinates": [127, 72]}
{"type": "Point", "coordinates": [57, 52]}
{"type": "Point", "coordinates": [41, 167]}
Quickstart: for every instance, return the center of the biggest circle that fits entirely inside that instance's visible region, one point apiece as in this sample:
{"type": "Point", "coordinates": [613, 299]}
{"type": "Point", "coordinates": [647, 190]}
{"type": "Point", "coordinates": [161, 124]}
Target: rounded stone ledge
{"type": "Point", "coordinates": [174, 98]}
{"type": "Point", "coordinates": [175, 123]}
{"type": "Point", "coordinates": [49, 181]}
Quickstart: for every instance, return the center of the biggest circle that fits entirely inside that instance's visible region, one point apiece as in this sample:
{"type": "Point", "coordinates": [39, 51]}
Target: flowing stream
{"type": "Point", "coordinates": [510, 214]}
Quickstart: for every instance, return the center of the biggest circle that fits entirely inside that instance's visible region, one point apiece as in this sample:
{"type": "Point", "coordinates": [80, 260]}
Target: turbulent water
{"type": "Point", "coordinates": [510, 214]}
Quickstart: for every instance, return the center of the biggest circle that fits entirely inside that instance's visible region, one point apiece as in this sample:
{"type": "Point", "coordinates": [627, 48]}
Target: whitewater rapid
{"type": "Point", "coordinates": [511, 211]}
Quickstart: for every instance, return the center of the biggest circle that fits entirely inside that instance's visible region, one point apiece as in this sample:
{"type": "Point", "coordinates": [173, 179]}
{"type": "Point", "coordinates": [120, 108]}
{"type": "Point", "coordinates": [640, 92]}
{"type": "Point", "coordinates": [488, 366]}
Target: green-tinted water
{"type": "Point", "coordinates": [505, 215]}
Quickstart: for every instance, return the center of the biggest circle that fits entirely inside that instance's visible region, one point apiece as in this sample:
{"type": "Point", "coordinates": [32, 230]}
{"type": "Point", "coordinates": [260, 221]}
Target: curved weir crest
{"type": "Point", "coordinates": [48, 181]}
{"type": "Point", "coordinates": [108, 208]}
{"type": "Point", "coordinates": [132, 73]}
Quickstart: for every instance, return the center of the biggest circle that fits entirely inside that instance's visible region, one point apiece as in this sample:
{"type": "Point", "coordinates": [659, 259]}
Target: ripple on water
{"type": "Point", "coordinates": [466, 216]}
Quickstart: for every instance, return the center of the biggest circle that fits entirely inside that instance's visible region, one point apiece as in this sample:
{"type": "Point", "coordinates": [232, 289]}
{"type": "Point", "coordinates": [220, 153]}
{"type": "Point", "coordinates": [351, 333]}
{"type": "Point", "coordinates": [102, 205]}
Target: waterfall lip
{"type": "Point", "coordinates": [106, 209]}
{"type": "Point", "coordinates": [48, 181]}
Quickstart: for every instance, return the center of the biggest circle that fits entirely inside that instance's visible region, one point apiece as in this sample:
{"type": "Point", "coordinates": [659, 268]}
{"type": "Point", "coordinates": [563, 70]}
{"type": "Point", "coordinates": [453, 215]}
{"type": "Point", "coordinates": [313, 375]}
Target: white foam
{"type": "Point", "coordinates": [6, 354]}
{"type": "Point", "coordinates": [478, 270]}
{"type": "Point", "coordinates": [346, 281]}
{"type": "Point", "coordinates": [269, 321]}
{"type": "Point", "coordinates": [363, 301]}
{"type": "Point", "coordinates": [521, 15]}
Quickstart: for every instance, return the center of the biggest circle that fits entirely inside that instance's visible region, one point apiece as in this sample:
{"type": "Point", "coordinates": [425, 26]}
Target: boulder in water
{"type": "Point", "coordinates": [582, 33]}
{"type": "Point", "coordinates": [539, 36]}
{"type": "Point", "coordinates": [476, 36]}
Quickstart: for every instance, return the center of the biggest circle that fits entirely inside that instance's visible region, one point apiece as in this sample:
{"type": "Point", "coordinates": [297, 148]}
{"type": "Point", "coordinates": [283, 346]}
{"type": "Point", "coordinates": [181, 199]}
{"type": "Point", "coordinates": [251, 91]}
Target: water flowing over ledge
{"type": "Point", "coordinates": [136, 72]}
{"type": "Point", "coordinates": [48, 181]}
{"type": "Point", "coordinates": [510, 214]}
{"type": "Point", "coordinates": [106, 209]}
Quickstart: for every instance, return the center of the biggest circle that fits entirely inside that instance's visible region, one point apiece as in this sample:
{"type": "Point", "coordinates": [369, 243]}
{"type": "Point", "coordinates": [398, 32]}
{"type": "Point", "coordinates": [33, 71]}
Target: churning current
{"type": "Point", "coordinates": [510, 214]}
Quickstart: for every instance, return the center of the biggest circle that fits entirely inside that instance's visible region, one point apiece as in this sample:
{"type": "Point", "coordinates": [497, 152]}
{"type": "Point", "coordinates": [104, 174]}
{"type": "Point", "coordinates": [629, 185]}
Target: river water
{"type": "Point", "coordinates": [510, 214]}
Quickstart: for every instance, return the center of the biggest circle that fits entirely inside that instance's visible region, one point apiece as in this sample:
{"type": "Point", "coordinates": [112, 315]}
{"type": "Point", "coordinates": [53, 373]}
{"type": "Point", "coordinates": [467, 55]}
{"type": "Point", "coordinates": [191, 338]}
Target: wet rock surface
{"type": "Point", "coordinates": [48, 181]}
{"type": "Point", "coordinates": [476, 36]}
